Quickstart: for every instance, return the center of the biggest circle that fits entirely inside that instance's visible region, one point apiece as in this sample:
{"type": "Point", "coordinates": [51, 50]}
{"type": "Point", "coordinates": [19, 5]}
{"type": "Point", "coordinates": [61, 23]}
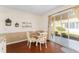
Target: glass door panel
{"type": "Point", "coordinates": [64, 29]}
{"type": "Point", "coordinates": [73, 26]}
{"type": "Point", "coordinates": [57, 28]}
{"type": "Point", "coordinates": [65, 26]}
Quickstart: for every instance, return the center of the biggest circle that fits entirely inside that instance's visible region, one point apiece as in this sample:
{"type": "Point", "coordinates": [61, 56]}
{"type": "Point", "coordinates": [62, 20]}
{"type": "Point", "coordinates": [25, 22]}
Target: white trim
{"type": "Point", "coordinates": [16, 42]}
{"type": "Point", "coordinates": [59, 9]}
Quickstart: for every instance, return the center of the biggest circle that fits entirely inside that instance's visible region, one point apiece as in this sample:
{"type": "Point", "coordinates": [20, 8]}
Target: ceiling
{"type": "Point", "coordinates": [36, 9]}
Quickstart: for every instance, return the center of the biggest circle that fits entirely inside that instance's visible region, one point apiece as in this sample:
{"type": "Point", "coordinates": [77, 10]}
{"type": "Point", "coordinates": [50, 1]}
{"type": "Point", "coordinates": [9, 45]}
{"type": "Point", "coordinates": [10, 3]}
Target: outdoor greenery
{"type": "Point", "coordinates": [61, 31]}
{"type": "Point", "coordinates": [60, 28]}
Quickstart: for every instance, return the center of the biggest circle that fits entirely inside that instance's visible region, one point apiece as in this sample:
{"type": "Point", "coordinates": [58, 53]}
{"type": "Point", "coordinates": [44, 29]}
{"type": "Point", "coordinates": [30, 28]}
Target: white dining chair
{"type": "Point", "coordinates": [30, 39]}
{"type": "Point", "coordinates": [42, 39]}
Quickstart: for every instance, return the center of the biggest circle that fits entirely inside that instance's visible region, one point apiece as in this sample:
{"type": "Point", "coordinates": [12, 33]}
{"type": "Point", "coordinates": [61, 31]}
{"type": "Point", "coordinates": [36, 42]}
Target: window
{"type": "Point", "coordinates": [66, 25]}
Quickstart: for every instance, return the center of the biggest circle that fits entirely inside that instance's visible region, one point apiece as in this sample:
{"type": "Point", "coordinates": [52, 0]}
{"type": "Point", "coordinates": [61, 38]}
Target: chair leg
{"type": "Point", "coordinates": [46, 45]}
{"type": "Point", "coordinates": [30, 45]}
{"type": "Point", "coordinates": [36, 43]}
{"type": "Point", "coordinates": [27, 43]}
{"type": "Point", "coordinates": [40, 46]}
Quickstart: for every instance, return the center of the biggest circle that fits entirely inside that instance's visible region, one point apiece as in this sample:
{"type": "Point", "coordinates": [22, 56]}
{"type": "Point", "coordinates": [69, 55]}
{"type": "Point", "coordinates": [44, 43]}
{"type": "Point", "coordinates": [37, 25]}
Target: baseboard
{"type": "Point", "coordinates": [16, 42]}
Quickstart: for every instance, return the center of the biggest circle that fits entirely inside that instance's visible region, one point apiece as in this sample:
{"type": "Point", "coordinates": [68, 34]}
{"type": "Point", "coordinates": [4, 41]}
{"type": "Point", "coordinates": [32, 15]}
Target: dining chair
{"type": "Point", "coordinates": [42, 39]}
{"type": "Point", "coordinates": [30, 39]}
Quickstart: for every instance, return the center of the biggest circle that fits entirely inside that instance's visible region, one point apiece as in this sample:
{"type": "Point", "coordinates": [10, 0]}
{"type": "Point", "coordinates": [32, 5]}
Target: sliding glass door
{"type": "Point", "coordinates": [65, 26]}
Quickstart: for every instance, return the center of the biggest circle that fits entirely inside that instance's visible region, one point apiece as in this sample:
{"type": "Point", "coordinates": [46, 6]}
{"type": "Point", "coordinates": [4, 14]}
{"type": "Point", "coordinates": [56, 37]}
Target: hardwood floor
{"type": "Point", "coordinates": [23, 48]}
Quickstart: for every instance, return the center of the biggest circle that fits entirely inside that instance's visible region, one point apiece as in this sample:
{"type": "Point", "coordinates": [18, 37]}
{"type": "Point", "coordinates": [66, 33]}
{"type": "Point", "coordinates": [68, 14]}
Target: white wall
{"type": "Point", "coordinates": [17, 16]}
{"type": "Point", "coordinates": [38, 22]}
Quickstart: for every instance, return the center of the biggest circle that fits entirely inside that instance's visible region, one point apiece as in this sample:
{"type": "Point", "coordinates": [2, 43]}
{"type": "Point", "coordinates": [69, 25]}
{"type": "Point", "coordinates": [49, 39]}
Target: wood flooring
{"type": "Point", "coordinates": [23, 48]}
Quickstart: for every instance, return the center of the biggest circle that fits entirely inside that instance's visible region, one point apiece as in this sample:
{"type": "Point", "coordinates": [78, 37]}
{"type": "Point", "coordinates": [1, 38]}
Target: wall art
{"type": "Point", "coordinates": [8, 22]}
{"type": "Point", "coordinates": [16, 24]}
{"type": "Point", "coordinates": [26, 24]}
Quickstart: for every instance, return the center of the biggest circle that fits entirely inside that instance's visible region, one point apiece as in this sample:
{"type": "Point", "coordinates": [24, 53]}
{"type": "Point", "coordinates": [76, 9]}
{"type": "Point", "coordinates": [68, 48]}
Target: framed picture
{"type": "Point", "coordinates": [26, 24]}
{"type": "Point", "coordinates": [16, 24]}
{"type": "Point", "coordinates": [8, 22]}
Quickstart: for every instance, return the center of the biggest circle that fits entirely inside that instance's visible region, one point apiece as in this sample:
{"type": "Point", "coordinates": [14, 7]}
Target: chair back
{"type": "Point", "coordinates": [43, 37]}
{"type": "Point", "coordinates": [31, 39]}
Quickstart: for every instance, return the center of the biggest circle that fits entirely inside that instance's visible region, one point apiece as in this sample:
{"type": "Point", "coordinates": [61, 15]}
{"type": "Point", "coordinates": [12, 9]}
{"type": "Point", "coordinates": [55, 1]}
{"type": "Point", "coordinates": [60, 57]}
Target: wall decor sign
{"type": "Point", "coordinates": [26, 24]}
{"type": "Point", "coordinates": [16, 24]}
{"type": "Point", "coordinates": [8, 22]}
